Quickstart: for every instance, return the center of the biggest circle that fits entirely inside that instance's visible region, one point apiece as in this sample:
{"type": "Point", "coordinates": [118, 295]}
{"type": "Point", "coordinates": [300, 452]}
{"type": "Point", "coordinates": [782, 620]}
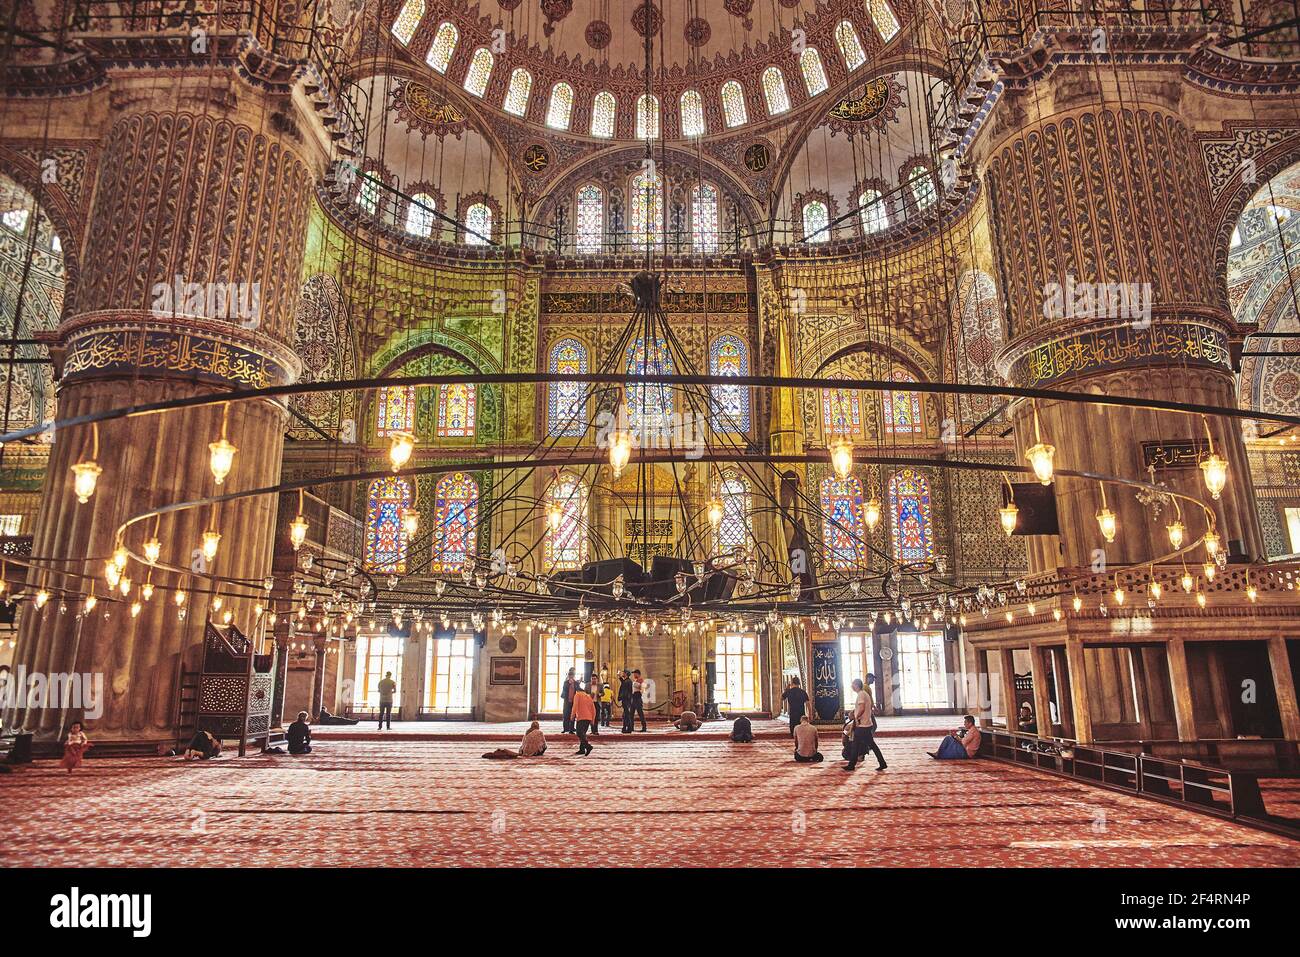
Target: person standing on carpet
{"type": "Point", "coordinates": [584, 716]}
{"type": "Point", "coordinates": [387, 688]}
{"type": "Point", "coordinates": [638, 692]}
{"type": "Point", "coordinates": [864, 726]}
{"type": "Point", "coordinates": [593, 689]}
{"type": "Point", "coordinates": [606, 702]}
{"type": "Point", "coordinates": [570, 683]}
{"type": "Point", "coordinates": [75, 747]}
{"type": "Point", "coordinates": [805, 743]}
{"type": "Point", "coordinates": [796, 701]}
{"type": "Point", "coordinates": [625, 699]}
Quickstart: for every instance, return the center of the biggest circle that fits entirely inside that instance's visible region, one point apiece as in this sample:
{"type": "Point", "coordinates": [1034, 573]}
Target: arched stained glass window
{"type": "Point", "coordinates": [922, 186]}
{"type": "Point", "coordinates": [560, 107]}
{"type": "Point", "coordinates": [590, 219]}
{"type": "Point", "coordinates": [480, 71]}
{"type": "Point", "coordinates": [646, 199]}
{"type": "Point", "coordinates": [368, 194]}
{"type": "Point", "coordinates": [842, 412]}
{"type": "Point", "coordinates": [704, 218]}
{"type": "Point", "coordinates": [455, 522]}
{"type": "Point", "coordinates": [455, 410]}
{"type": "Point", "coordinates": [883, 17]}
{"type": "Point", "coordinates": [478, 225]}
{"type": "Point", "coordinates": [647, 117]}
{"type": "Point", "coordinates": [386, 499]}
{"type": "Point", "coordinates": [871, 209]}
{"type": "Point", "coordinates": [649, 406]}
{"type": "Point", "coordinates": [909, 506]}
{"type": "Point", "coordinates": [521, 84]}
{"type": "Point", "coordinates": [395, 410]}
{"type": "Point", "coordinates": [850, 46]}
{"type": "Point", "coordinates": [774, 91]}
{"type": "Point", "coordinates": [733, 104]}
{"type": "Point", "coordinates": [565, 546]}
{"type": "Point", "coordinates": [842, 522]}
{"type": "Point", "coordinates": [566, 413]}
{"type": "Point", "coordinates": [603, 109]}
{"type": "Point", "coordinates": [736, 528]}
{"type": "Point", "coordinates": [902, 408]}
{"type": "Point", "coordinates": [729, 355]}
{"type": "Point", "coordinates": [816, 222]}
{"type": "Point", "coordinates": [419, 215]}
{"type": "Point", "coordinates": [408, 18]}
{"type": "Point", "coordinates": [814, 72]}
{"type": "Point", "coordinates": [443, 46]}
{"type": "Point", "coordinates": [692, 110]}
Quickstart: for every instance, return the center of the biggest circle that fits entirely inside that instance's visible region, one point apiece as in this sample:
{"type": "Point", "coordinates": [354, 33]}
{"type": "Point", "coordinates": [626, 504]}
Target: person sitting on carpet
{"type": "Point", "coordinates": [534, 743]}
{"type": "Point", "coordinates": [961, 744]}
{"type": "Point", "coordinates": [742, 732]}
{"type": "Point", "coordinates": [805, 742]}
{"type": "Point", "coordinates": [689, 721]}
{"type": "Point", "coordinates": [203, 745]}
{"type": "Point", "coordinates": [300, 735]}
{"type": "Point", "coordinates": [76, 746]}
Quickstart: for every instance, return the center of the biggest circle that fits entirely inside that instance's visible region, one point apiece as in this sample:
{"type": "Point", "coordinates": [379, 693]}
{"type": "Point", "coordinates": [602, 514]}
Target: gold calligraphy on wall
{"type": "Point", "coordinates": [1123, 346]}
{"type": "Point", "coordinates": [184, 353]}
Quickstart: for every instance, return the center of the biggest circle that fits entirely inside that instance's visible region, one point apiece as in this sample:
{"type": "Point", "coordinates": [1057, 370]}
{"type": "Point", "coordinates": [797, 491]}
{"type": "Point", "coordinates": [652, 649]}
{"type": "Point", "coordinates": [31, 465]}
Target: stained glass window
{"type": "Point", "coordinates": [733, 104]}
{"type": "Point", "coordinates": [871, 208]}
{"type": "Point", "coordinates": [692, 109]}
{"type": "Point", "coordinates": [367, 194]}
{"type": "Point", "coordinates": [647, 116]}
{"type": "Point", "coordinates": [386, 499]}
{"type": "Point", "coordinates": [816, 222]}
{"type": "Point", "coordinates": [590, 219]}
{"type": "Point", "coordinates": [455, 522]}
{"type": "Point", "coordinates": [778, 100]}
{"type": "Point", "coordinates": [922, 186]}
{"type": "Point", "coordinates": [883, 18]}
{"type": "Point", "coordinates": [408, 18]}
{"type": "Point", "coordinates": [841, 412]}
{"type": "Point", "coordinates": [603, 108]}
{"type": "Point", "coordinates": [443, 46]}
{"type": "Point", "coordinates": [560, 107]}
{"type": "Point", "coordinates": [729, 355]}
{"type": "Point", "coordinates": [567, 401]}
{"type": "Point", "coordinates": [909, 504]}
{"type": "Point", "coordinates": [842, 522]}
{"type": "Point", "coordinates": [704, 218]}
{"type": "Point", "coordinates": [902, 408]}
{"type": "Point", "coordinates": [565, 546]}
{"type": "Point", "coordinates": [646, 223]}
{"type": "Point", "coordinates": [395, 410]}
{"type": "Point", "coordinates": [480, 71]}
{"type": "Point", "coordinates": [850, 46]}
{"type": "Point", "coordinates": [650, 406]}
{"type": "Point", "coordinates": [521, 84]}
{"type": "Point", "coordinates": [419, 215]}
{"type": "Point", "coordinates": [814, 73]}
{"type": "Point", "coordinates": [735, 528]}
{"type": "Point", "coordinates": [478, 225]}
{"type": "Point", "coordinates": [456, 410]}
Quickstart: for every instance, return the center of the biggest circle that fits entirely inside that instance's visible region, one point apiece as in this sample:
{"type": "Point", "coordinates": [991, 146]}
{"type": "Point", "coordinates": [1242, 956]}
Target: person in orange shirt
{"type": "Point", "coordinates": [584, 716]}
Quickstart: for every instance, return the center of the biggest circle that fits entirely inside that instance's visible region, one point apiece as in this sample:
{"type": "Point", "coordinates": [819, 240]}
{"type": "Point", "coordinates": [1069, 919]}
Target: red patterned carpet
{"type": "Point", "coordinates": [652, 803]}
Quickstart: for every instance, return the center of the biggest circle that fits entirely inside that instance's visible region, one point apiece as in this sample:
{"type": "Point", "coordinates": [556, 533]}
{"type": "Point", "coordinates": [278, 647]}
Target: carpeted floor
{"type": "Point", "coordinates": [684, 802]}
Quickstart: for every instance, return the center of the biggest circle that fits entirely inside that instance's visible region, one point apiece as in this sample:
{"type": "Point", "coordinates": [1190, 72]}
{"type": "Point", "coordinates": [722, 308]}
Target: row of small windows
{"type": "Point", "coordinates": [645, 225]}
{"type": "Point", "coordinates": [395, 410]}
{"type": "Point", "coordinates": [421, 214]}
{"type": "Point", "coordinates": [604, 107]}
{"type": "Point", "coordinates": [873, 209]}
{"type": "Point", "coordinates": [565, 545]}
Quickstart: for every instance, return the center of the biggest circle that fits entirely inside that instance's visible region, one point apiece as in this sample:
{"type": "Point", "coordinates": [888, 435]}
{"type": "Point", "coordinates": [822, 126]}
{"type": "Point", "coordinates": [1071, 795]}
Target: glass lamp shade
{"type": "Point", "coordinates": [84, 477]}
{"type": "Point", "coordinates": [620, 452]}
{"type": "Point", "coordinates": [715, 512]}
{"type": "Point", "coordinates": [1177, 533]}
{"type": "Point", "coordinates": [152, 550]}
{"type": "Point", "coordinates": [410, 522]}
{"type": "Point", "coordinates": [211, 539]}
{"type": "Point", "coordinates": [841, 450]}
{"type": "Point", "coordinates": [298, 532]}
{"type": "Point", "coordinates": [1106, 521]}
{"type": "Point", "coordinates": [1040, 458]}
{"type": "Point", "coordinates": [1212, 543]}
{"type": "Point", "coordinates": [1009, 515]}
{"type": "Point", "coordinates": [1214, 469]}
{"type": "Point", "coordinates": [402, 444]}
{"type": "Point", "coordinates": [221, 459]}
{"type": "Point", "coordinates": [871, 513]}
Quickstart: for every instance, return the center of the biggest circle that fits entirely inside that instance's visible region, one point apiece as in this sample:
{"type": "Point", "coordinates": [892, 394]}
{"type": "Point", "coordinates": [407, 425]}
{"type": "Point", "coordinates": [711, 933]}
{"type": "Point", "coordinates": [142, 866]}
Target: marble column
{"type": "Point", "coordinates": [204, 191]}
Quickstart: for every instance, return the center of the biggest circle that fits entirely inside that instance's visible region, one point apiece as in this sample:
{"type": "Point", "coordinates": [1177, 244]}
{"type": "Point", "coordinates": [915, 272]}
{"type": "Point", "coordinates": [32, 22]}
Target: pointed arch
{"type": "Point", "coordinates": [691, 107]}
{"type": "Point", "coordinates": [843, 525]}
{"type": "Point", "coordinates": [566, 407]}
{"type": "Point", "coordinates": [589, 226]}
{"type": "Point", "coordinates": [565, 545]}
{"type": "Point", "coordinates": [814, 71]}
{"type": "Point", "coordinates": [649, 407]}
{"type": "Point", "coordinates": [736, 528]}
{"type": "Point", "coordinates": [705, 233]}
{"type": "Point", "coordinates": [521, 86]}
{"type": "Point", "coordinates": [911, 529]}
{"type": "Point", "coordinates": [902, 407]}
{"type": "Point", "coordinates": [387, 499]}
{"type": "Point", "coordinates": [646, 214]}
{"type": "Point", "coordinates": [395, 410]}
{"type": "Point", "coordinates": [456, 402]}
{"type": "Point", "coordinates": [647, 117]}
{"type": "Point", "coordinates": [729, 356]}
{"type": "Point", "coordinates": [455, 522]}
{"type": "Point", "coordinates": [842, 412]}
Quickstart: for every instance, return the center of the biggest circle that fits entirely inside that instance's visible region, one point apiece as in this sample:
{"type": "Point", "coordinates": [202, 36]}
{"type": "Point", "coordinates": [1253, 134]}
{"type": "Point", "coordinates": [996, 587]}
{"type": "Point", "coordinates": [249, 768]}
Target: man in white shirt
{"type": "Point", "coordinates": [863, 731]}
{"type": "Point", "coordinates": [638, 690]}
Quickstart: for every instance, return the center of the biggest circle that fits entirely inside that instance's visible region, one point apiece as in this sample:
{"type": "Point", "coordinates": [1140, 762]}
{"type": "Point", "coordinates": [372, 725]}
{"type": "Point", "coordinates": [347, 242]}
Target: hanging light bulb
{"type": "Point", "coordinates": [179, 596]}
{"type": "Point", "coordinates": [1010, 516]}
{"type": "Point", "coordinates": [1176, 534]}
{"type": "Point", "coordinates": [1252, 593]}
{"type": "Point", "coordinates": [221, 459]}
{"type": "Point", "coordinates": [42, 597]}
{"type": "Point", "coordinates": [1214, 469]}
{"type": "Point", "coordinates": [152, 550]}
{"type": "Point", "coordinates": [410, 522]}
{"type": "Point", "coordinates": [554, 516]}
{"type": "Point", "coordinates": [1200, 598]}
{"type": "Point", "coordinates": [84, 477]}
{"type": "Point", "coordinates": [1119, 594]}
{"type": "Point", "coordinates": [91, 602]}
{"type": "Point", "coordinates": [217, 602]}
{"type": "Point", "coordinates": [1077, 603]}
{"type": "Point", "coordinates": [1155, 589]}
{"type": "Point", "coordinates": [124, 586]}
{"type": "Point", "coordinates": [715, 512]}
{"type": "Point", "coordinates": [146, 590]}
{"type": "Point", "coordinates": [1031, 609]}
{"type": "Point", "coordinates": [228, 617]}
{"type": "Point", "coordinates": [841, 449]}
{"type": "Point", "coordinates": [120, 556]}
{"type": "Point", "coordinates": [111, 574]}
{"type": "Point", "coordinates": [1209, 569]}
{"type": "Point", "coordinates": [1040, 455]}
{"type": "Point", "coordinates": [620, 452]}
{"type": "Point", "coordinates": [1212, 541]}
{"type": "Point", "coordinates": [1056, 615]}
{"type": "Point", "coordinates": [871, 512]}
{"type": "Point", "coordinates": [211, 539]}
{"type": "Point", "coordinates": [1105, 517]}
{"type": "Point", "coordinates": [135, 609]}
{"type": "Point", "coordinates": [401, 445]}
{"type": "Point", "coordinates": [1187, 582]}
{"type": "Point", "coordinates": [298, 532]}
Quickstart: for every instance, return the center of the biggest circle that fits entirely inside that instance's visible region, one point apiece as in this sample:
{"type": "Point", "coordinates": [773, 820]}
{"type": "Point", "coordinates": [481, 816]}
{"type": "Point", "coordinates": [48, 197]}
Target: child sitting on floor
{"type": "Point", "coordinates": [76, 746]}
